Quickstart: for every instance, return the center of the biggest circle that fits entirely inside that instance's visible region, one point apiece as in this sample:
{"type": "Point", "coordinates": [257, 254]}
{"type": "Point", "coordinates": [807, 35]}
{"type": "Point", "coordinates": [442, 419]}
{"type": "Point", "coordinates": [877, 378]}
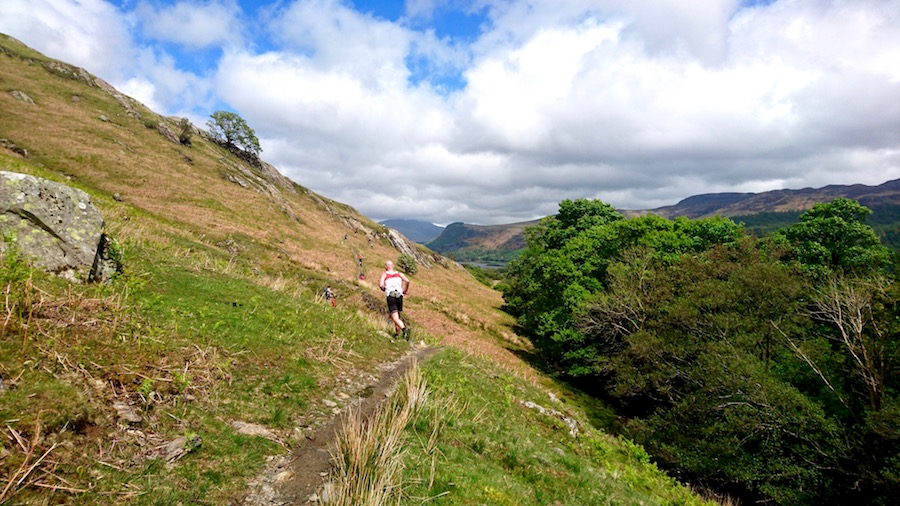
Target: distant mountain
{"type": "Point", "coordinates": [777, 201]}
{"type": "Point", "coordinates": [481, 243]}
{"type": "Point", "coordinates": [414, 230]}
{"type": "Point", "coordinates": [760, 212]}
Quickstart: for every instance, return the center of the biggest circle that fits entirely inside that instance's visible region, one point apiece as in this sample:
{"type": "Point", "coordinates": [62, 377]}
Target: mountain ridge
{"type": "Point", "coordinates": [416, 230]}
{"type": "Point", "coordinates": [781, 200]}
{"type": "Point", "coordinates": [476, 243]}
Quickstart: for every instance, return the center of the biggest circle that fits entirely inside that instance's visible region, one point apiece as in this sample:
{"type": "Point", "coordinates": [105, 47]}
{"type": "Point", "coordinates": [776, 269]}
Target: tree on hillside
{"type": "Point", "coordinates": [231, 129]}
{"type": "Point", "coordinates": [185, 131]}
{"type": "Point", "coordinates": [764, 368]}
{"type": "Point", "coordinates": [565, 265]}
{"type": "Point", "coordinates": [833, 236]}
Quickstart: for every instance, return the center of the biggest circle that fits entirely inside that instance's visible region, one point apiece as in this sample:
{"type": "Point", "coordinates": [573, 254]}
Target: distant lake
{"type": "Point", "coordinates": [486, 265]}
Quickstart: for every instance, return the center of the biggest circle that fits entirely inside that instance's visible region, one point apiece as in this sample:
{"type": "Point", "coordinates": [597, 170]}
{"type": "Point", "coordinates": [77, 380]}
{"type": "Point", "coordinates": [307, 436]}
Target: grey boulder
{"type": "Point", "coordinates": [55, 225]}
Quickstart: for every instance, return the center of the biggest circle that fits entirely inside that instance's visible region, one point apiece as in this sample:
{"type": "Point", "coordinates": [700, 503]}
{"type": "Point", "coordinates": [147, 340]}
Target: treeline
{"type": "Point", "coordinates": [481, 255]}
{"type": "Point", "coordinates": [885, 220]}
{"type": "Point", "coordinates": [763, 368]}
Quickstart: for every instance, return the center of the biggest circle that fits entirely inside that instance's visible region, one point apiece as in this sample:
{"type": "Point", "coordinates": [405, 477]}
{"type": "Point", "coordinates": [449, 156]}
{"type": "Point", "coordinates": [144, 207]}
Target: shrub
{"type": "Point", "coordinates": [185, 131]}
{"type": "Point", "coordinates": [407, 264]}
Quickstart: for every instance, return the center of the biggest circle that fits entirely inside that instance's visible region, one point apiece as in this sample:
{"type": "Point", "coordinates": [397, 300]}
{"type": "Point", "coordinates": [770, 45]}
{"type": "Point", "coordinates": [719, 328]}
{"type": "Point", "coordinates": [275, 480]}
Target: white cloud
{"type": "Point", "coordinates": [638, 102]}
{"type": "Point", "coordinates": [85, 33]}
{"type": "Point", "coordinates": [95, 35]}
{"type": "Point", "coordinates": [192, 24]}
{"type": "Point", "coordinates": [172, 88]}
{"type": "Point", "coordinates": [337, 38]}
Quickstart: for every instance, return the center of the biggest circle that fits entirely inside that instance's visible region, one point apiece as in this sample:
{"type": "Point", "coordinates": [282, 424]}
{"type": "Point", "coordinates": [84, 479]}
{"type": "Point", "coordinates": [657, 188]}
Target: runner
{"type": "Point", "coordinates": [395, 285]}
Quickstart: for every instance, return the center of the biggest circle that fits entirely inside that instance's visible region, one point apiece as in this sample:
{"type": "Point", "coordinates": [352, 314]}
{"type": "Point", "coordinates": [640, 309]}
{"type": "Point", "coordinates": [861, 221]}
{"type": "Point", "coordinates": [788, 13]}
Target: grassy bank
{"type": "Point", "coordinates": [474, 434]}
{"type": "Point", "coordinates": [182, 345]}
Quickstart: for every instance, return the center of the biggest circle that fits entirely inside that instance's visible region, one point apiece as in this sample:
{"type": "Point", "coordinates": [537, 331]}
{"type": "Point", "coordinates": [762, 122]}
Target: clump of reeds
{"type": "Point", "coordinates": [368, 454]}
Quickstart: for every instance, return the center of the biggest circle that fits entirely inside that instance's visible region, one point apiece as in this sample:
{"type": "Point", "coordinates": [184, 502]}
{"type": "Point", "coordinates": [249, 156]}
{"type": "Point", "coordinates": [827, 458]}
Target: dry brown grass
{"type": "Point", "coordinates": [716, 498]}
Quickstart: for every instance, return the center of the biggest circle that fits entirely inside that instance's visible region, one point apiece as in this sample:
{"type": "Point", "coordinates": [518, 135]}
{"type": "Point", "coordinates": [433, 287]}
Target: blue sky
{"type": "Point", "coordinates": [492, 111]}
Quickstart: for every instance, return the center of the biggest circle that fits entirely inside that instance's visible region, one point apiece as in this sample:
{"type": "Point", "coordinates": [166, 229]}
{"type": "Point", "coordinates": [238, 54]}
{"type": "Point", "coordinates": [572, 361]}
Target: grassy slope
{"type": "Point", "coordinates": [217, 319]}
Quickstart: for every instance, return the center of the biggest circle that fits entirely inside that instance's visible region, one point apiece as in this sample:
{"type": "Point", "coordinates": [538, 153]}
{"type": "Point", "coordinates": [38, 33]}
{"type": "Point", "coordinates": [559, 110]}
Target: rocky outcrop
{"type": "Point", "coordinates": [261, 178]}
{"type": "Point", "coordinates": [21, 96]}
{"type": "Point", "coordinates": [79, 74]}
{"type": "Point", "coordinates": [404, 245]}
{"type": "Point", "coordinates": [7, 144]}
{"type": "Point", "coordinates": [55, 225]}
{"type": "Point", "coordinates": [167, 132]}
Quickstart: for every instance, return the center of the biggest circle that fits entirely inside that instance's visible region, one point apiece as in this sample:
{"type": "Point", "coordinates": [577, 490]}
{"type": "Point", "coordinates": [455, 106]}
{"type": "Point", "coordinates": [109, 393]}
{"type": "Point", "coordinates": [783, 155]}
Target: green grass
{"type": "Point", "coordinates": [490, 448]}
{"type": "Point", "coordinates": [193, 342]}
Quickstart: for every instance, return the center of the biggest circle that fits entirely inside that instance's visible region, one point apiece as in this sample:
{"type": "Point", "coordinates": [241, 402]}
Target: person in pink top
{"type": "Point", "coordinates": [395, 285]}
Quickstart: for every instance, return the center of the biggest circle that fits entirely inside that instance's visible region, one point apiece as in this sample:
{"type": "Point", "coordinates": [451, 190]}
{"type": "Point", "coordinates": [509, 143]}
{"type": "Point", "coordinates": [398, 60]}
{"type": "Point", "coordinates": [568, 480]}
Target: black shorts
{"type": "Point", "coordinates": [395, 304]}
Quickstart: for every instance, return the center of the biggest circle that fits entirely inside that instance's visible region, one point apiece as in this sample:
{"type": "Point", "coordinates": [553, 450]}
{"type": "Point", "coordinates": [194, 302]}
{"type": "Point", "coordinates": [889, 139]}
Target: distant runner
{"type": "Point", "coordinates": [329, 295]}
{"type": "Point", "coordinates": [395, 285]}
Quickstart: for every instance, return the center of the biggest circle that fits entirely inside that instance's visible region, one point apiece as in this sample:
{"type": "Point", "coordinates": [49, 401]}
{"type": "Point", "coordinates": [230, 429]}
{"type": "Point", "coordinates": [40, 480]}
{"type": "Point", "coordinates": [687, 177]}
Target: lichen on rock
{"type": "Point", "coordinates": [53, 224]}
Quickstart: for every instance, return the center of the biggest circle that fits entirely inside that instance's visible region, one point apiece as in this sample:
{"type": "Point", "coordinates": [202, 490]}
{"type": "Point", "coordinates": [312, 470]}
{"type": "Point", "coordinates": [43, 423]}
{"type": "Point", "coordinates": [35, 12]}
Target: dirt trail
{"type": "Point", "coordinates": [295, 479]}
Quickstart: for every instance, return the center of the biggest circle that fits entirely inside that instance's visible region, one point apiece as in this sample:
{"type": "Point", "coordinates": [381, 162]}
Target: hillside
{"type": "Point", "coordinates": [481, 243]}
{"type": "Point", "coordinates": [199, 374]}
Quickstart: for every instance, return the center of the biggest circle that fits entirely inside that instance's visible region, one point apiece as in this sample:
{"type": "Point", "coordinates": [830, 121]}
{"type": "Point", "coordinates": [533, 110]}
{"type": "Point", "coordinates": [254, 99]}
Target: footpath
{"type": "Point", "coordinates": [299, 478]}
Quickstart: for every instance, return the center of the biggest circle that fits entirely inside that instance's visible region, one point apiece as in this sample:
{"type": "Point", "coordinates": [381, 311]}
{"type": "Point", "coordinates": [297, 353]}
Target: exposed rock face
{"type": "Point", "coordinates": [53, 223]}
{"type": "Point", "coordinates": [167, 132]}
{"type": "Point", "coordinates": [5, 143]}
{"type": "Point", "coordinates": [405, 246]}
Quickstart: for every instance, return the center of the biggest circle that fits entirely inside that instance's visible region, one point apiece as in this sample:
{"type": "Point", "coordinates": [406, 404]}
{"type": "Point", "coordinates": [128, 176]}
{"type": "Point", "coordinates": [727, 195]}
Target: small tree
{"type": "Point", "coordinates": [407, 264]}
{"type": "Point", "coordinates": [231, 129]}
{"type": "Point", "coordinates": [185, 131]}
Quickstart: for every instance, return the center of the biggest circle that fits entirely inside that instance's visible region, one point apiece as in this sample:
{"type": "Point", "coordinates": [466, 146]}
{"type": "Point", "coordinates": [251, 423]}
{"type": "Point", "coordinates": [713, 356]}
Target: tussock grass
{"type": "Point", "coordinates": [368, 453]}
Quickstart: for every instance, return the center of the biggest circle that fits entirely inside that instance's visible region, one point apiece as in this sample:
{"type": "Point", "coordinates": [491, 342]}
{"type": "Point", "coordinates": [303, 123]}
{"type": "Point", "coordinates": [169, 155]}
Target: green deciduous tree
{"type": "Point", "coordinates": [231, 129]}
{"type": "Point", "coordinates": [761, 367]}
{"type": "Point", "coordinates": [692, 350]}
{"type": "Point", "coordinates": [566, 260]}
{"type": "Point", "coordinates": [833, 236]}
{"type": "Point", "coordinates": [185, 131]}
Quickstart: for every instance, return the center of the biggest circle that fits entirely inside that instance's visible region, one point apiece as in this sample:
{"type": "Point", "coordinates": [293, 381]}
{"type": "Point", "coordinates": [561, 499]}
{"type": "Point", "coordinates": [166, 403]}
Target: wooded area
{"type": "Point", "coordinates": [760, 367]}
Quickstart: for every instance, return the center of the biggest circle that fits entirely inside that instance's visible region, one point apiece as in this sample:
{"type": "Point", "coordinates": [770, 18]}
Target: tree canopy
{"type": "Point", "coordinates": [231, 129]}
{"type": "Point", "coordinates": [760, 367]}
{"type": "Point", "coordinates": [833, 237]}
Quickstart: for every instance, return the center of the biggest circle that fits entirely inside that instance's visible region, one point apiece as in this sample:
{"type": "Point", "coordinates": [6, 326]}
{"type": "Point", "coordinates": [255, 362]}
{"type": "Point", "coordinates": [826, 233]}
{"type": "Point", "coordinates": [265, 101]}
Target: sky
{"type": "Point", "coordinates": [494, 111]}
